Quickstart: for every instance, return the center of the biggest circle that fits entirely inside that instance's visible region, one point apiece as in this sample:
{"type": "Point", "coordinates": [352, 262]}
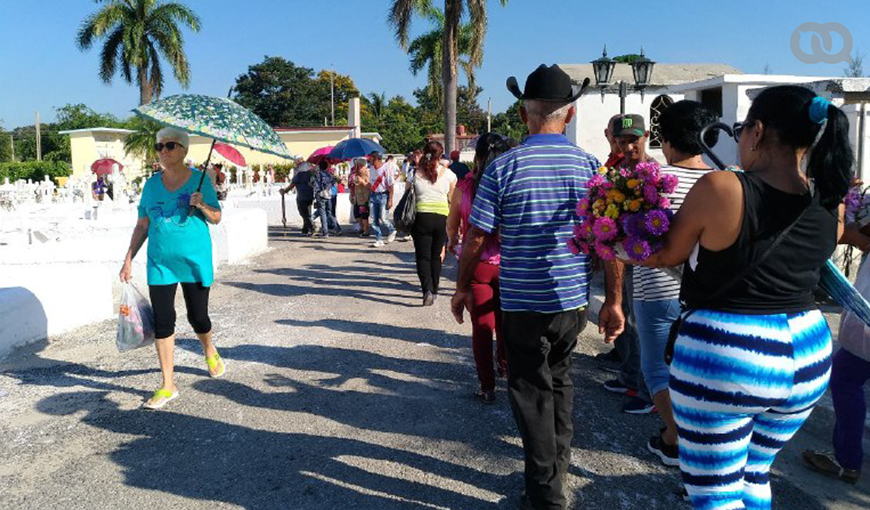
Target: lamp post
{"type": "Point", "coordinates": [641, 69]}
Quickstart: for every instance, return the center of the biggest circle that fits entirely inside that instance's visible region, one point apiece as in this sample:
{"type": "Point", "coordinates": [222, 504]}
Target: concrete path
{"type": "Point", "coordinates": [341, 392]}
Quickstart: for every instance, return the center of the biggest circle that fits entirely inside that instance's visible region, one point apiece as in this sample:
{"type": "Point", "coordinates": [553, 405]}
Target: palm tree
{"type": "Point", "coordinates": [400, 16]}
{"type": "Point", "coordinates": [141, 141]}
{"type": "Point", "coordinates": [378, 103]}
{"type": "Point", "coordinates": [137, 34]}
{"type": "Point", "coordinates": [427, 52]}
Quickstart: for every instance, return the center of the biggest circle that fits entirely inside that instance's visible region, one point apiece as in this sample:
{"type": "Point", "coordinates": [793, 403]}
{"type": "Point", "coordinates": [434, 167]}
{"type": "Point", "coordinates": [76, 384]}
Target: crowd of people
{"type": "Point", "coordinates": [732, 382]}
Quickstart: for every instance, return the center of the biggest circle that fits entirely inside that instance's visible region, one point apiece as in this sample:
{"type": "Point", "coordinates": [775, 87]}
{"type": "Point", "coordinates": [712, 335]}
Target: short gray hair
{"type": "Point", "coordinates": [546, 112]}
{"type": "Point", "coordinates": [175, 135]}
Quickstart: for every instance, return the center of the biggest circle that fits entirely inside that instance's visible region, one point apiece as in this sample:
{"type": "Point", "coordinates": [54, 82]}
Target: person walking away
{"type": "Point", "coordinates": [220, 182]}
{"type": "Point", "coordinates": [381, 200]}
{"type": "Point", "coordinates": [302, 183]}
{"type": "Point", "coordinates": [542, 284]}
{"type": "Point", "coordinates": [433, 184]}
{"type": "Point", "coordinates": [408, 171]}
{"type": "Point", "coordinates": [322, 183]}
{"type": "Point", "coordinates": [656, 294]}
{"type": "Point", "coordinates": [850, 372]}
{"type": "Point", "coordinates": [179, 251]}
{"type": "Point", "coordinates": [458, 167]}
{"type": "Point", "coordinates": [754, 357]}
{"type": "Point", "coordinates": [631, 136]}
{"type": "Point", "coordinates": [99, 189]}
{"type": "Point", "coordinates": [486, 310]}
{"type": "Point", "coordinates": [360, 193]}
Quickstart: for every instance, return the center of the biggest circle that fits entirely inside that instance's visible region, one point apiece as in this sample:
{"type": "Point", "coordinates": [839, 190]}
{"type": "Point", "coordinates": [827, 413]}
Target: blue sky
{"type": "Point", "coordinates": [41, 69]}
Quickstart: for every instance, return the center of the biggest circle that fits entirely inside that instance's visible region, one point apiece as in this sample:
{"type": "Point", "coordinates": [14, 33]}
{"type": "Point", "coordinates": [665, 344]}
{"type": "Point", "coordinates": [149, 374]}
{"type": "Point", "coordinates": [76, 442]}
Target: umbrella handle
{"type": "Point", "coordinates": [706, 148]}
{"type": "Point", "coordinates": [208, 158]}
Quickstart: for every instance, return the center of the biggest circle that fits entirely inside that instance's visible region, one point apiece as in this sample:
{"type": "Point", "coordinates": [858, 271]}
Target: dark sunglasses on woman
{"type": "Point", "coordinates": [737, 129]}
{"type": "Point", "coordinates": [170, 146]}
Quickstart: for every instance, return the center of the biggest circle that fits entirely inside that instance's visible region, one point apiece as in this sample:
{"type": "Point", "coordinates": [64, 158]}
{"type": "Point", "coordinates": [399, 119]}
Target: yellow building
{"type": "Point", "coordinates": [89, 145]}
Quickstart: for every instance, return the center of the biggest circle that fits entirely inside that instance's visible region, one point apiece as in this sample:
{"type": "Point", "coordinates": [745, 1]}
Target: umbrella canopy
{"type": "Point", "coordinates": [355, 148]}
{"type": "Point", "coordinates": [219, 118]}
{"type": "Point", "coordinates": [841, 289]}
{"type": "Point", "coordinates": [229, 153]}
{"type": "Point", "coordinates": [319, 154]}
{"type": "Point", "coordinates": [104, 166]}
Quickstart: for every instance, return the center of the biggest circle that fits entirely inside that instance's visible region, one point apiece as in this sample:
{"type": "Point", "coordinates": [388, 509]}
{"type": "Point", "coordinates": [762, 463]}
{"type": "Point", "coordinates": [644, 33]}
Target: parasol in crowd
{"type": "Point", "coordinates": [103, 167]}
{"type": "Point", "coordinates": [229, 153]}
{"type": "Point", "coordinates": [319, 154]}
{"type": "Point", "coordinates": [355, 148]}
{"type": "Point", "coordinates": [218, 118]}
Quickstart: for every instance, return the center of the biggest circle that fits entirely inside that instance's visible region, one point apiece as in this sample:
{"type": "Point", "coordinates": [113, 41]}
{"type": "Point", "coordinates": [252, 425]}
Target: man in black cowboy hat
{"type": "Point", "coordinates": [528, 197]}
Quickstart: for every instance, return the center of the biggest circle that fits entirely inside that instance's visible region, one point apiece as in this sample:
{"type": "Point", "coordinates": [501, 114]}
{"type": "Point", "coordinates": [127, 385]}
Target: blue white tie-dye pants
{"type": "Point", "coordinates": [742, 386]}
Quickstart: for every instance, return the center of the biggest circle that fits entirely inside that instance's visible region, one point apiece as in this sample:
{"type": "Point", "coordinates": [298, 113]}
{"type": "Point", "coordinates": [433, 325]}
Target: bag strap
{"type": "Point", "coordinates": [751, 267]}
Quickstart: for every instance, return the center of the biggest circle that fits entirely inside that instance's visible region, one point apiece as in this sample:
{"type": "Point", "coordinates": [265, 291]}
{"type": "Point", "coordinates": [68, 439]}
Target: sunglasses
{"type": "Point", "coordinates": [738, 128]}
{"type": "Point", "coordinates": [170, 146]}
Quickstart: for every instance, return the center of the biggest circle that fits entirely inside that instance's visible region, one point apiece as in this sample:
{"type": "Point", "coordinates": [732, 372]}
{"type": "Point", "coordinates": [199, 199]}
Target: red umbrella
{"type": "Point", "coordinates": [319, 154]}
{"type": "Point", "coordinates": [104, 166]}
{"type": "Point", "coordinates": [230, 154]}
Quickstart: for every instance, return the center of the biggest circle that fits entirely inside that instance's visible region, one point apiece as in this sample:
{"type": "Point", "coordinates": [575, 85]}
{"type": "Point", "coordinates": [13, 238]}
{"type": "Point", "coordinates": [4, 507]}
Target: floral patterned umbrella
{"type": "Point", "coordinates": [216, 117]}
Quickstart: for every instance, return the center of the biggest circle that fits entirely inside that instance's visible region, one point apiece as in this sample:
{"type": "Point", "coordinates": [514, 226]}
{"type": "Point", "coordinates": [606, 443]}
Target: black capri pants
{"type": "Point", "coordinates": [163, 303]}
{"type": "Point", "coordinates": [430, 236]}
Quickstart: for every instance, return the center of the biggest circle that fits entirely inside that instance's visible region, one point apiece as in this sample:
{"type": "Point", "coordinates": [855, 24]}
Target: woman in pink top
{"type": "Point", "coordinates": [485, 314]}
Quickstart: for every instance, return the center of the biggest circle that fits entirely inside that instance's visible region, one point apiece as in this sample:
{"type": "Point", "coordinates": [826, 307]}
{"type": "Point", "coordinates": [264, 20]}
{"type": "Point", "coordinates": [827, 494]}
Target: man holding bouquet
{"type": "Point", "coordinates": [528, 197]}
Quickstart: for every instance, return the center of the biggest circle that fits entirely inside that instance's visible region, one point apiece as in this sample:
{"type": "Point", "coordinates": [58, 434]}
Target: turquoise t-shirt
{"type": "Point", "coordinates": [179, 245]}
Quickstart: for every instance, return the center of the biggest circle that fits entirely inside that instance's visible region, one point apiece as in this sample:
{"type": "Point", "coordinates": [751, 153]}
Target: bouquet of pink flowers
{"type": "Point", "coordinates": [625, 212]}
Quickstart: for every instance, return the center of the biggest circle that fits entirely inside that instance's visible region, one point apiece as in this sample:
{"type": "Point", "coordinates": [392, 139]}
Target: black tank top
{"type": "Point", "coordinates": [784, 282]}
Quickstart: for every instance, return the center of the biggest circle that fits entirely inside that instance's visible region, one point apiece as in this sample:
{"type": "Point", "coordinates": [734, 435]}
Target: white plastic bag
{"type": "Point", "coordinates": [135, 320]}
{"type": "Point", "coordinates": [854, 335]}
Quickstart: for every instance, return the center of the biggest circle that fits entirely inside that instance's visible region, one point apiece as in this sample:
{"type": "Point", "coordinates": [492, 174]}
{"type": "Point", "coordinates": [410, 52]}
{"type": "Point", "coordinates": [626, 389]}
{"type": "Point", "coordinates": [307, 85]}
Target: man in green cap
{"type": "Point", "coordinates": [631, 135]}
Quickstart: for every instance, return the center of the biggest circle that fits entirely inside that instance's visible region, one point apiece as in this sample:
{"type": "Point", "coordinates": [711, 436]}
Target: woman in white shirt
{"type": "Point", "coordinates": [433, 186]}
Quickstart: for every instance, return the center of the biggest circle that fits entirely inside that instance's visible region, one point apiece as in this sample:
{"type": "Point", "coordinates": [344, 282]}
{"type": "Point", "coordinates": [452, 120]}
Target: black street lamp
{"type": "Point", "coordinates": [641, 68]}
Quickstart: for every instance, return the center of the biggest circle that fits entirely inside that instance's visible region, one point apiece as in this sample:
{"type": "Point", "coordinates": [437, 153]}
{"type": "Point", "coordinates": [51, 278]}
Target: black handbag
{"type": "Point", "coordinates": [674, 332]}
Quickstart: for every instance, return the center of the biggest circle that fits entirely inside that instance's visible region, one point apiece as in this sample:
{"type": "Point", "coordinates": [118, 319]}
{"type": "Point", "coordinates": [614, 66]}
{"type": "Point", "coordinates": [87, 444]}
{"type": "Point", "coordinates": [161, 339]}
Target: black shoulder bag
{"type": "Point", "coordinates": [685, 314]}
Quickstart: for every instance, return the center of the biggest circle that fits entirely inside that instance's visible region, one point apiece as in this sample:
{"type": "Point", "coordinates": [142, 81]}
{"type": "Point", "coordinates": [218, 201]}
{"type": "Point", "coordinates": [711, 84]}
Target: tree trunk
{"type": "Point", "coordinates": [449, 71]}
{"type": "Point", "coordinates": [144, 85]}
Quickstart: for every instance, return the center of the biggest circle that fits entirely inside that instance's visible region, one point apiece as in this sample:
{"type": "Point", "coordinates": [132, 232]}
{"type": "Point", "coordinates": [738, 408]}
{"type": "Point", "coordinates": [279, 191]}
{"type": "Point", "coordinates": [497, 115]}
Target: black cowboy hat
{"type": "Point", "coordinates": [550, 84]}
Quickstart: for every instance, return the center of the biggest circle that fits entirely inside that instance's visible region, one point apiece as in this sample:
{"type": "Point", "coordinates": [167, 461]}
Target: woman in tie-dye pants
{"type": "Point", "coordinates": [741, 386]}
{"type": "Point", "coordinates": [755, 356]}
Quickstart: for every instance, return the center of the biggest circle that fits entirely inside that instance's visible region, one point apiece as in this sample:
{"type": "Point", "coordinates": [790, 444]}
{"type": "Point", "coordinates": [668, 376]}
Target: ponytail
{"type": "Point", "coordinates": [831, 160]}
{"type": "Point", "coordinates": [432, 153]}
{"type": "Point", "coordinates": [803, 120]}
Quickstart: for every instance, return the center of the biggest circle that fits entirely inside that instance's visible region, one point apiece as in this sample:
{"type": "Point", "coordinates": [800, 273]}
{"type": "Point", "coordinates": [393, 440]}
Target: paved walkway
{"type": "Point", "coordinates": [341, 392]}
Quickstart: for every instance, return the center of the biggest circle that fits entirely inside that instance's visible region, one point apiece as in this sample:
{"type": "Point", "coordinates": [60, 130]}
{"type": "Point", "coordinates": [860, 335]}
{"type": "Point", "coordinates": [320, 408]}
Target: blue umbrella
{"type": "Point", "coordinates": [838, 287]}
{"type": "Point", "coordinates": [355, 148]}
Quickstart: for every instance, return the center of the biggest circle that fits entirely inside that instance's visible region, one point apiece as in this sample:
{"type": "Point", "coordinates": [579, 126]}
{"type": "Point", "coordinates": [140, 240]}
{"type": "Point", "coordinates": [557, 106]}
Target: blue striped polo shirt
{"type": "Point", "coordinates": [530, 195]}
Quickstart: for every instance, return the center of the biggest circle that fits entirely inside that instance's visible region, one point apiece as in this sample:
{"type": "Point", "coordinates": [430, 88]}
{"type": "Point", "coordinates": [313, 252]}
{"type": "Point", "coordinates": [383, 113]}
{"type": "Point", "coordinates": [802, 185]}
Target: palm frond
{"type": "Point", "coordinates": [101, 22]}
{"type": "Point", "coordinates": [109, 55]}
{"type": "Point", "coordinates": [171, 12]}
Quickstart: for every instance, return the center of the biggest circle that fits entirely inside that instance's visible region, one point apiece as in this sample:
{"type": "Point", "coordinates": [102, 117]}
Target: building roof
{"type": "Point", "coordinates": [663, 74]}
{"type": "Point", "coordinates": [97, 130]}
{"type": "Point", "coordinates": [312, 129]}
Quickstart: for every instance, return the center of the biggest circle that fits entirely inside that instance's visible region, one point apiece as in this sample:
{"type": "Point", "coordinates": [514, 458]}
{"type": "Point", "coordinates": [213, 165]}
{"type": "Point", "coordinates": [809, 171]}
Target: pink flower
{"type": "Point", "coordinates": [595, 181]}
{"type": "Point", "coordinates": [605, 229]}
{"type": "Point", "coordinates": [669, 183]}
{"type": "Point", "coordinates": [625, 172]}
{"type": "Point", "coordinates": [604, 252]}
{"type": "Point", "coordinates": [607, 185]}
{"type": "Point", "coordinates": [574, 246]}
{"type": "Point", "coordinates": [582, 206]}
{"type": "Point", "coordinates": [665, 203]}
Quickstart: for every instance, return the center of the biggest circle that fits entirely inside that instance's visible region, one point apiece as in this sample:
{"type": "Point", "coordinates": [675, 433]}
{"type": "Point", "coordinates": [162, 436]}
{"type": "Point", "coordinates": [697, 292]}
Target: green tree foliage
{"type": "Point", "coordinates": [400, 130]}
{"type": "Point", "coordinates": [140, 143]}
{"type": "Point", "coordinates": [628, 58]}
{"type": "Point", "coordinates": [33, 170]}
{"type": "Point", "coordinates": [137, 34]}
{"type": "Point", "coordinates": [400, 16]}
{"type": "Point", "coordinates": [285, 94]}
{"type": "Point", "coordinates": [427, 52]}
{"type": "Point", "coordinates": [509, 123]}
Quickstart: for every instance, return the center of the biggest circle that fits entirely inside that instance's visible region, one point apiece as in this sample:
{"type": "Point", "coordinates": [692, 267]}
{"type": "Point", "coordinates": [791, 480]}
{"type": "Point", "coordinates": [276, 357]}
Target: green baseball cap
{"type": "Point", "coordinates": [628, 125]}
